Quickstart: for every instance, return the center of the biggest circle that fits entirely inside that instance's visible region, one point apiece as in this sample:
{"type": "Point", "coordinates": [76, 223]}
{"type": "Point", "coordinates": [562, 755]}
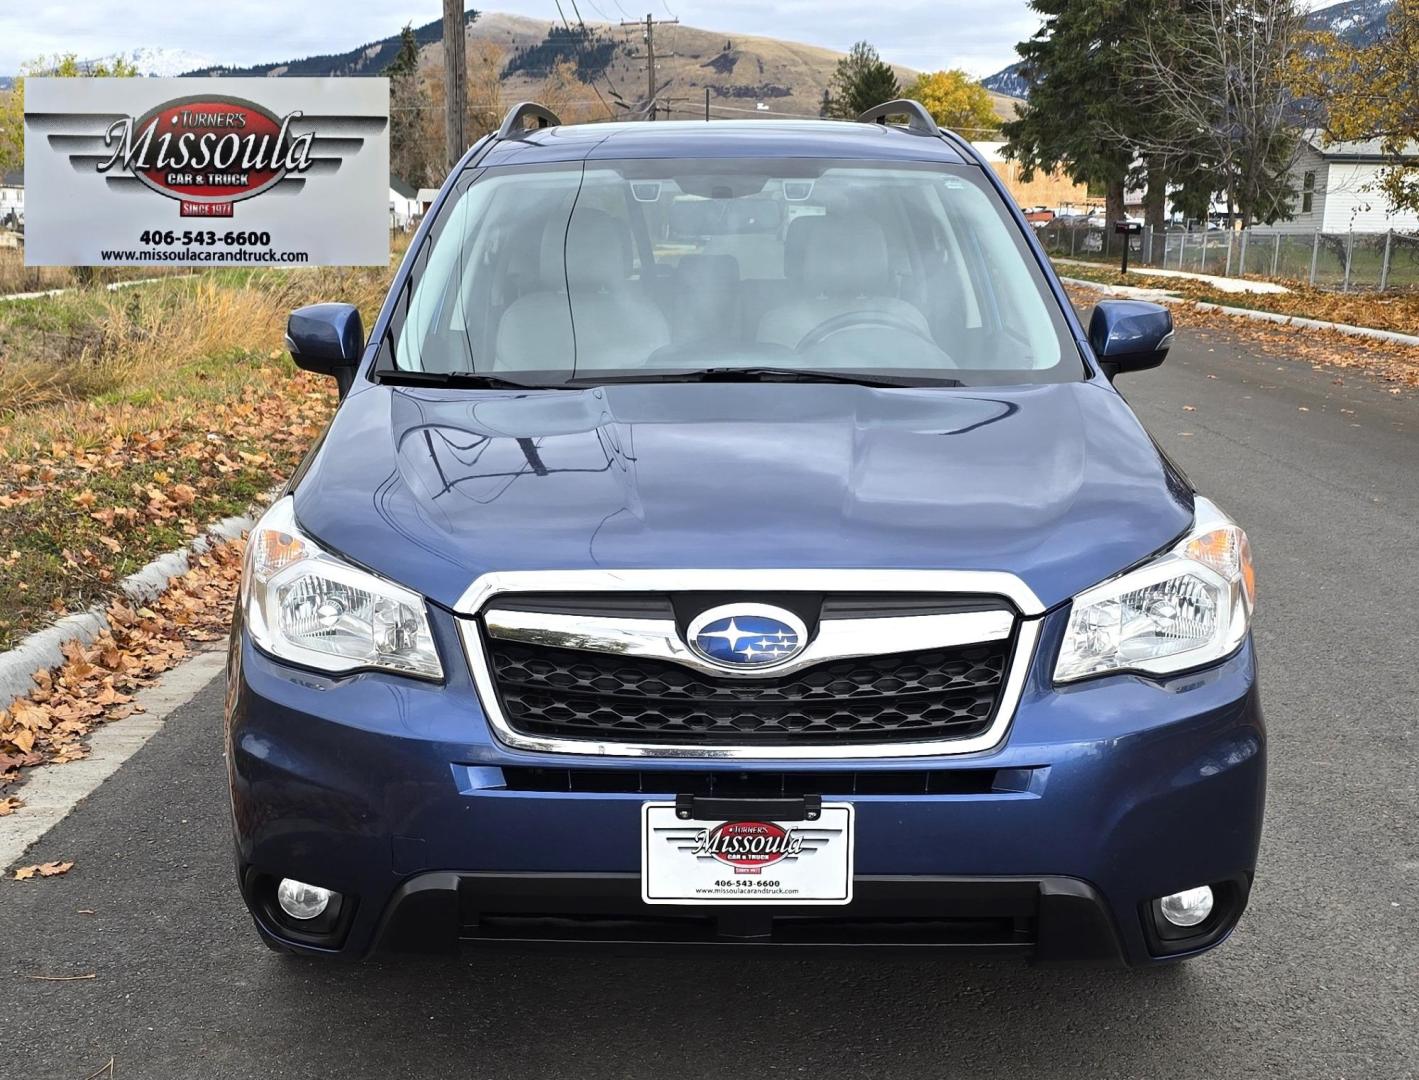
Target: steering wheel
{"type": "Point", "coordinates": [861, 320]}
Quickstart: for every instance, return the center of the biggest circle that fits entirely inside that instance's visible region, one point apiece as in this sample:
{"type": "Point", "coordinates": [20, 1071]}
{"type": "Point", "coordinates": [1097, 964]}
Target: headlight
{"type": "Point", "coordinates": [1186, 608]}
{"type": "Point", "coordinates": [305, 605]}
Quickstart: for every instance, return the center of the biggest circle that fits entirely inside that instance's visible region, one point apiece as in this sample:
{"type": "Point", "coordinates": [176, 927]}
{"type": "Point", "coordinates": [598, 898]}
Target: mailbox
{"type": "Point", "coordinates": [1128, 230]}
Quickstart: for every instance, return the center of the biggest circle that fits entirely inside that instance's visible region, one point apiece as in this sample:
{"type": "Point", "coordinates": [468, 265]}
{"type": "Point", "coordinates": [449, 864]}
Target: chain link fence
{"type": "Point", "coordinates": [1328, 260]}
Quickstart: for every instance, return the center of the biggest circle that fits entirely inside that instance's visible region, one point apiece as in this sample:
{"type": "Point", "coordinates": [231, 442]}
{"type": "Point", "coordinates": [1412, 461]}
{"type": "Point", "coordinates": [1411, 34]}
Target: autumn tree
{"type": "Point", "coordinates": [1215, 76]}
{"type": "Point", "coordinates": [956, 101]}
{"type": "Point", "coordinates": [570, 98]}
{"type": "Point", "coordinates": [861, 80]}
{"type": "Point", "coordinates": [12, 103]}
{"type": "Point", "coordinates": [1369, 93]}
{"type": "Point", "coordinates": [12, 129]}
{"type": "Point", "coordinates": [486, 103]}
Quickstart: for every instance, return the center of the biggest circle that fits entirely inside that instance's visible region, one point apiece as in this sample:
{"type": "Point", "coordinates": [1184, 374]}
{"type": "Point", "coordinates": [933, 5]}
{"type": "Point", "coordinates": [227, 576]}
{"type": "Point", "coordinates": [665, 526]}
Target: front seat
{"type": "Point", "coordinates": [845, 270]}
{"type": "Point", "coordinates": [588, 311]}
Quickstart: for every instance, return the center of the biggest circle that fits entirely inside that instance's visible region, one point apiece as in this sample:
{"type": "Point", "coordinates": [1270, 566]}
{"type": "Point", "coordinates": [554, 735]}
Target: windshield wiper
{"type": "Point", "coordinates": [471, 380]}
{"type": "Point", "coordinates": [766, 374]}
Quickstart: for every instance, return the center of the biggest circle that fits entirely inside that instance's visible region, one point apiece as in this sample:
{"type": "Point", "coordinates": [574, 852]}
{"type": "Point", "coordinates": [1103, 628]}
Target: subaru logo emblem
{"type": "Point", "coordinates": [746, 636]}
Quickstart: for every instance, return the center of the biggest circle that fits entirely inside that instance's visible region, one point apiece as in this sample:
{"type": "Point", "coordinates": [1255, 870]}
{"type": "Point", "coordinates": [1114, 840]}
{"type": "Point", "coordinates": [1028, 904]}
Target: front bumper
{"type": "Point", "coordinates": [393, 792]}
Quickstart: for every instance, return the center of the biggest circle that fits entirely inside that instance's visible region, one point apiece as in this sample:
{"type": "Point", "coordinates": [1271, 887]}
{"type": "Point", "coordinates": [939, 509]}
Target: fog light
{"type": "Point", "coordinates": [1189, 907]}
{"type": "Point", "coordinates": [302, 901]}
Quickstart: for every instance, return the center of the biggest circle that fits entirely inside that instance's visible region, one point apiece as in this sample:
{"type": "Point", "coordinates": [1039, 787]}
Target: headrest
{"type": "Point", "coordinates": [708, 271]}
{"type": "Point", "coordinates": [597, 252]}
{"type": "Point", "coordinates": [846, 256]}
{"type": "Point", "coordinates": [795, 243]}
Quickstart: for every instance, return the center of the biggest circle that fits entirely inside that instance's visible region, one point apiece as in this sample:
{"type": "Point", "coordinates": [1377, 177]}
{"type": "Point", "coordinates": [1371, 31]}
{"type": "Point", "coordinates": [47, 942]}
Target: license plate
{"type": "Point", "coordinates": [746, 861]}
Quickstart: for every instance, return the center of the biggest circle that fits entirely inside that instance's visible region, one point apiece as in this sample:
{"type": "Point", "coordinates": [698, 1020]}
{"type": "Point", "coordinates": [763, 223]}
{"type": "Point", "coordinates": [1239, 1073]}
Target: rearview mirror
{"type": "Point", "coordinates": [327, 339]}
{"type": "Point", "coordinates": [1130, 335]}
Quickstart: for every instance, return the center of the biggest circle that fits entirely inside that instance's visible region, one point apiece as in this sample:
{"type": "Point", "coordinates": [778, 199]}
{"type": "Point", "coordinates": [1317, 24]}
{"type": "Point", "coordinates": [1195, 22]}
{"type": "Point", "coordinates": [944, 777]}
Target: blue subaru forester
{"type": "Point", "coordinates": [729, 535]}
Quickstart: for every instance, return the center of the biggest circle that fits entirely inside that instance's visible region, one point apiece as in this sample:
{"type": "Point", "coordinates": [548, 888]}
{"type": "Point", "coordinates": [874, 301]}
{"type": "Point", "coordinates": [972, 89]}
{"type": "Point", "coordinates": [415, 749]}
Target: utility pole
{"type": "Point", "coordinates": [651, 22]}
{"type": "Point", "coordinates": [455, 81]}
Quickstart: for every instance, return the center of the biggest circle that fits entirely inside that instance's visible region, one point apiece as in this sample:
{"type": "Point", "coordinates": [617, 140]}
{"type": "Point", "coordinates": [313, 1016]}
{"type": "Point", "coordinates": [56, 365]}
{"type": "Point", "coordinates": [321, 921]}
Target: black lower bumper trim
{"type": "Point", "coordinates": [1057, 919]}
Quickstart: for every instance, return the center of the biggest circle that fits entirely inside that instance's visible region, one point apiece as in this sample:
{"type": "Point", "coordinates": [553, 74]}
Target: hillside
{"type": "Point", "coordinates": [1358, 22]}
{"type": "Point", "coordinates": [741, 71]}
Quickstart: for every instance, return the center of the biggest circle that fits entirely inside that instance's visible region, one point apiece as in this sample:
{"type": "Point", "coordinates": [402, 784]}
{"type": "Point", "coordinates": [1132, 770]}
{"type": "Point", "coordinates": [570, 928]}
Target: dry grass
{"type": "Point", "coordinates": [130, 419]}
{"type": "Point", "coordinates": [91, 363]}
{"type": "Point", "coordinates": [15, 277]}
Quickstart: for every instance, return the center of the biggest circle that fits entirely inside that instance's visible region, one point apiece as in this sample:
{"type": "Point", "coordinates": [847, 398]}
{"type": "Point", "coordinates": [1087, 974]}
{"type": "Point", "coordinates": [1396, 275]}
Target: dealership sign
{"type": "Point", "coordinates": [206, 172]}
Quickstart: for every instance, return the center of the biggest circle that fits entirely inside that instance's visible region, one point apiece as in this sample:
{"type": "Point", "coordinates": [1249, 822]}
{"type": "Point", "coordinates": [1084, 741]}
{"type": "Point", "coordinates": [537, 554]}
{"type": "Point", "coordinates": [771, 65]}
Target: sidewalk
{"type": "Point", "coordinates": [1221, 284]}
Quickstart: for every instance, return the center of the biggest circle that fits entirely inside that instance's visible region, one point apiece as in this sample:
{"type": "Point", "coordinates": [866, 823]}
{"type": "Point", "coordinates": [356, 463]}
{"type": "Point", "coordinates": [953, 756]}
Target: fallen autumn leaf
{"type": "Point", "coordinates": [49, 869]}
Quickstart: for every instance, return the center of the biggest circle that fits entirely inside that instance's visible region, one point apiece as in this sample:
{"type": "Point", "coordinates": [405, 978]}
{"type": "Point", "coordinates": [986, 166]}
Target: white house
{"type": "Point", "coordinates": [403, 204]}
{"type": "Point", "coordinates": [12, 196]}
{"type": "Point", "coordinates": [1336, 189]}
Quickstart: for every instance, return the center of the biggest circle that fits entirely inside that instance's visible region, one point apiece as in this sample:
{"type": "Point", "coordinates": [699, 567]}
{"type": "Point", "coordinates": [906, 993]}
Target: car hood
{"type": "Point", "coordinates": [1058, 484]}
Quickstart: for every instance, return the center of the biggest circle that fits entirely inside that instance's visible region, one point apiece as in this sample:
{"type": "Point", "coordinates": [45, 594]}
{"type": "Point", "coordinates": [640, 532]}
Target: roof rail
{"type": "Point", "coordinates": [512, 122]}
{"type": "Point", "coordinates": [918, 119]}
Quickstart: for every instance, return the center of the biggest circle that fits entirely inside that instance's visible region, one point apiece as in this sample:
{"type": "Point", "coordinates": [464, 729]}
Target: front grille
{"type": "Point", "coordinates": [571, 693]}
{"type": "Point", "coordinates": [761, 783]}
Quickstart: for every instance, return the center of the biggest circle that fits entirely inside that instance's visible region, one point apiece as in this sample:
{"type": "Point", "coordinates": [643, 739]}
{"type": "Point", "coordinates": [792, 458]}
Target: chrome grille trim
{"type": "Point", "coordinates": [837, 639]}
{"type": "Point", "coordinates": [961, 582]}
{"type": "Point", "coordinates": [748, 581]}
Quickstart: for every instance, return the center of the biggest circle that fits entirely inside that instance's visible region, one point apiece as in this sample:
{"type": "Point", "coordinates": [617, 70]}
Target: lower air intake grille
{"type": "Point", "coordinates": [570, 693]}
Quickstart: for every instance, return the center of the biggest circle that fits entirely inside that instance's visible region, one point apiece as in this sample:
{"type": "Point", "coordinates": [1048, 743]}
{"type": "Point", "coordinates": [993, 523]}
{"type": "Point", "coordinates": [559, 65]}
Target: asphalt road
{"type": "Point", "coordinates": [1319, 980]}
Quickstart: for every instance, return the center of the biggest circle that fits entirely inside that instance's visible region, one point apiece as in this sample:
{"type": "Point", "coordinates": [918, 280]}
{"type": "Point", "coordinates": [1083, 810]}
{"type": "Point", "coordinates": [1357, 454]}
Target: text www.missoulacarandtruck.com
{"type": "Point", "coordinates": [203, 255]}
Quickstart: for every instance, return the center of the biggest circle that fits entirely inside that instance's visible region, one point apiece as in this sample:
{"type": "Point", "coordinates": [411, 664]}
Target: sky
{"type": "Point", "coordinates": [978, 35]}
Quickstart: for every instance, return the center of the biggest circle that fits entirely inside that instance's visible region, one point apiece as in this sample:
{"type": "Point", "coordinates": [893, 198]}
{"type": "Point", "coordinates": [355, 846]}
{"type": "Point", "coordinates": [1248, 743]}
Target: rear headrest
{"type": "Point", "coordinates": [795, 243]}
{"type": "Point", "coordinates": [597, 252]}
{"type": "Point", "coordinates": [846, 256]}
{"type": "Point", "coordinates": [707, 271]}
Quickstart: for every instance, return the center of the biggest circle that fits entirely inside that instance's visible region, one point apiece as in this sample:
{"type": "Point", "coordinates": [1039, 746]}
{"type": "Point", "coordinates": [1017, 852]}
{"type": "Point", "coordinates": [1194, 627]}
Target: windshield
{"type": "Point", "coordinates": [642, 269]}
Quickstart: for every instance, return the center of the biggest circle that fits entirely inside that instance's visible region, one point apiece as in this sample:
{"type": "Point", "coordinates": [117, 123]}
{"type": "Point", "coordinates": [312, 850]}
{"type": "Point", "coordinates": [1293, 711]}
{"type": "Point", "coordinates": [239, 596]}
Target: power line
{"type": "Point", "coordinates": [581, 23]}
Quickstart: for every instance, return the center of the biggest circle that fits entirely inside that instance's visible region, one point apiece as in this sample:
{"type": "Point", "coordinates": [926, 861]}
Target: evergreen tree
{"type": "Point", "coordinates": [1079, 109]}
{"type": "Point", "coordinates": [862, 80]}
{"type": "Point", "coordinates": [409, 155]}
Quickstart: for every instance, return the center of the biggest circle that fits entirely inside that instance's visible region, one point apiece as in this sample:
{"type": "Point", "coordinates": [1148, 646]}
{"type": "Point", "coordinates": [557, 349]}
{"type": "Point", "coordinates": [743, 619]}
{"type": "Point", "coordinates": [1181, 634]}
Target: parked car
{"type": "Point", "coordinates": [676, 575]}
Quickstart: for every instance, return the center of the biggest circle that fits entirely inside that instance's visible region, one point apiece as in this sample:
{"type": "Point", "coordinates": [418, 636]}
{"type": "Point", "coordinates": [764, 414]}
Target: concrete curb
{"type": "Point", "coordinates": [1390, 336]}
{"type": "Point", "coordinates": [44, 648]}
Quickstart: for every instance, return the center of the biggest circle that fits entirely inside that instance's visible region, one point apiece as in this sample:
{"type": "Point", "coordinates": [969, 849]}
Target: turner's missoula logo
{"type": "Point", "coordinates": [209, 152]}
{"type": "Point", "coordinates": [133, 172]}
{"type": "Point", "coordinates": [749, 846]}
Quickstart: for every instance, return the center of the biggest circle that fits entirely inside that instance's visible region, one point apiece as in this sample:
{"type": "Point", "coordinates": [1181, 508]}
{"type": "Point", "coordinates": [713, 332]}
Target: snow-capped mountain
{"type": "Point", "coordinates": [158, 60]}
{"type": "Point", "coordinates": [1358, 22]}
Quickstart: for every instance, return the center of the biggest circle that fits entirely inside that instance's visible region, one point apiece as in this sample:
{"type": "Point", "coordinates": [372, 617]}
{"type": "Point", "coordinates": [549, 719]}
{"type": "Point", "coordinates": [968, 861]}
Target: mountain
{"type": "Point", "coordinates": [369, 59]}
{"type": "Point", "coordinates": [149, 60]}
{"type": "Point", "coordinates": [745, 74]}
{"type": "Point", "coordinates": [1356, 22]}
{"type": "Point", "coordinates": [158, 60]}
{"type": "Point", "coordinates": [1010, 81]}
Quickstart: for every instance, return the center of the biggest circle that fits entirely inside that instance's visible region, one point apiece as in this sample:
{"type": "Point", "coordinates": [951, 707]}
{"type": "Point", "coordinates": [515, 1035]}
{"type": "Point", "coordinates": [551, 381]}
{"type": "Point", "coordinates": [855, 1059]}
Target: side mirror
{"type": "Point", "coordinates": [327, 339]}
{"type": "Point", "coordinates": [1130, 335]}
